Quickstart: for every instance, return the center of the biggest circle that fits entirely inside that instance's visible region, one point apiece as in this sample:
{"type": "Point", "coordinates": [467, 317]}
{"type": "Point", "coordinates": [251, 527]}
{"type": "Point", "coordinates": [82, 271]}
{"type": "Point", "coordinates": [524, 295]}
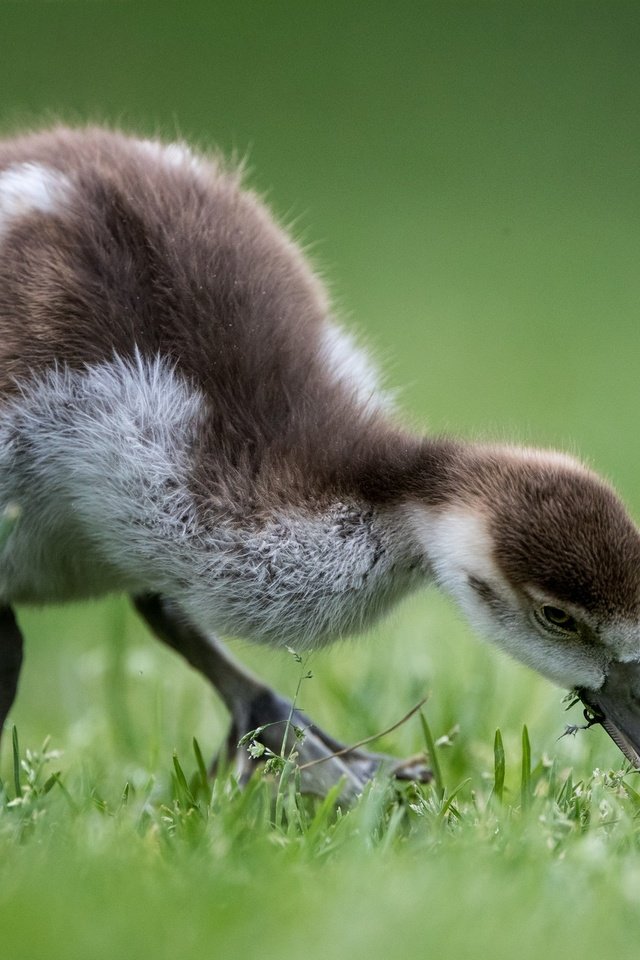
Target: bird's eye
{"type": "Point", "coordinates": [556, 619]}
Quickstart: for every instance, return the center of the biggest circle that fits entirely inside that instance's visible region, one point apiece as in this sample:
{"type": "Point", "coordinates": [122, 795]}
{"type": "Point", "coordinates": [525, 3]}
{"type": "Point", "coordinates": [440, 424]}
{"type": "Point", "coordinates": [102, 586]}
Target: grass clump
{"type": "Point", "coordinates": [122, 845]}
{"type": "Point", "coordinates": [265, 870]}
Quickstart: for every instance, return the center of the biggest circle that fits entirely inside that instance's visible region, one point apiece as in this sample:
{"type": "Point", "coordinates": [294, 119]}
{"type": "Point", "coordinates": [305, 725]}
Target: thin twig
{"type": "Point", "coordinates": [362, 743]}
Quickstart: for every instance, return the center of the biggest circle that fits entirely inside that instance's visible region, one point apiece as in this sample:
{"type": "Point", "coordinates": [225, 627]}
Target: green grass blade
{"type": "Point", "coordinates": [552, 778]}
{"type": "Point", "coordinates": [447, 806]}
{"type": "Point", "coordinates": [632, 794]}
{"type": "Point", "coordinates": [182, 787]}
{"type": "Point", "coordinates": [498, 766]}
{"type": "Point", "coordinates": [525, 782]}
{"type": "Point", "coordinates": [16, 761]}
{"type": "Point", "coordinates": [438, 780]}
{"type": "Point", "coordinates": [325, 812]}
{"type": "Point", "coordinates": [204, 782]}
{"type": "Point", "coordinates": [566, 792]}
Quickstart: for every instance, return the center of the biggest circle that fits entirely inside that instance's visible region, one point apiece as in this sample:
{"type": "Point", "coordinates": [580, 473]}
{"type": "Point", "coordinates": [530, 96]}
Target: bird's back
{"type": "Point", "coordinates": [111, 245]}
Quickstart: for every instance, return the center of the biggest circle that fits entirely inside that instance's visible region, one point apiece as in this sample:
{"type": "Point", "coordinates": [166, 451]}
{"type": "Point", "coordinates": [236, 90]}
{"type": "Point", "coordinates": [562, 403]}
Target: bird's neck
{"type": "Point", "coordinates": [329, 553]}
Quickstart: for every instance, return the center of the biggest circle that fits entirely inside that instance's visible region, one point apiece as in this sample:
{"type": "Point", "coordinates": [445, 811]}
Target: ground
{"type": "Point", "coordinates": [122, 847]}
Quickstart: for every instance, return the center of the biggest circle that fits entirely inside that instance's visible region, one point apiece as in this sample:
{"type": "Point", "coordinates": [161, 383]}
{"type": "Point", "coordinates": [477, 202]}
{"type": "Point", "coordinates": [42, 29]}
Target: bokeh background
{"type": "Point", "coordinates": [465, 175]}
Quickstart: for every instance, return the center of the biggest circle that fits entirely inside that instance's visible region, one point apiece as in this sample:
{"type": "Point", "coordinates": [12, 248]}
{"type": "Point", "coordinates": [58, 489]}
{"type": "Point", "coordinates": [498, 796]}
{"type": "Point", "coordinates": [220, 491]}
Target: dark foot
{"type": "Point", "coordinates": [10, 661]}
{"type": "Point", "coordinates": [322, 761]}
{"type": "Point", "coordinates": [253, 705]}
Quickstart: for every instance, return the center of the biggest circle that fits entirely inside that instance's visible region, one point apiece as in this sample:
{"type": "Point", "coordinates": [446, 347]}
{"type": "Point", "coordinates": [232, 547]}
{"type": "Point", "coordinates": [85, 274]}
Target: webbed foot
{"type": "Point", "coordinates": [283, 731]}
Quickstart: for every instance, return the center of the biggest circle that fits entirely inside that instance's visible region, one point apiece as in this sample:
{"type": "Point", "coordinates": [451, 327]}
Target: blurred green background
{"type": "Point", "coordinates": [466, 177]}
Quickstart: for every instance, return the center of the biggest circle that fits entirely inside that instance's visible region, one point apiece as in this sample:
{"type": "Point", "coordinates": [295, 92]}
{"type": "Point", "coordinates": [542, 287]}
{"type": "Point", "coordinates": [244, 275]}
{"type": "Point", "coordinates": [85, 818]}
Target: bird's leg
{"type": "Point", "coordinates": [253, 705]}
{"type": "Point", "coordinates": [10, 661]}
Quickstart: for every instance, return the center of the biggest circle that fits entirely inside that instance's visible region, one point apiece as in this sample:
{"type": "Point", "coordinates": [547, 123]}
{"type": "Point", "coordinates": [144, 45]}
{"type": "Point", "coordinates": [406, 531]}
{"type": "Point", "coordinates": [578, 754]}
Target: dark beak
{"type": "Point", "coordinates": [616, 705]}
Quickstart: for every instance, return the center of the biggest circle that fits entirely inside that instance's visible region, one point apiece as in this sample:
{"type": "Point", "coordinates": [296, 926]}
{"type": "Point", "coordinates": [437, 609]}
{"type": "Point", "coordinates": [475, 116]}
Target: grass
{"type": "Point", "coordinates": [193, 865]}
{"type": "Point", "coordinates": [121, 845]}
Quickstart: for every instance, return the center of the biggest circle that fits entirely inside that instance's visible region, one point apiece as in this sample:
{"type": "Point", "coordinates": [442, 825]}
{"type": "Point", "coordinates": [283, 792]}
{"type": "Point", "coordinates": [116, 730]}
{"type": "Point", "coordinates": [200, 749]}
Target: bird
{"type": "Point", "coordinates": [184, 420]}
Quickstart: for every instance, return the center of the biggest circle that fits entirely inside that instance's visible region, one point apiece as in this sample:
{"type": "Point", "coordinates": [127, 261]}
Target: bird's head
{"type": "Point", "coordinates": [544, 559]}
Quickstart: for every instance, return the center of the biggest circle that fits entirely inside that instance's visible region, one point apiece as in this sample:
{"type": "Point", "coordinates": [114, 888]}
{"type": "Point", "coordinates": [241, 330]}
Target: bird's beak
{"type": "Point", "coordinates": [616, 705]}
